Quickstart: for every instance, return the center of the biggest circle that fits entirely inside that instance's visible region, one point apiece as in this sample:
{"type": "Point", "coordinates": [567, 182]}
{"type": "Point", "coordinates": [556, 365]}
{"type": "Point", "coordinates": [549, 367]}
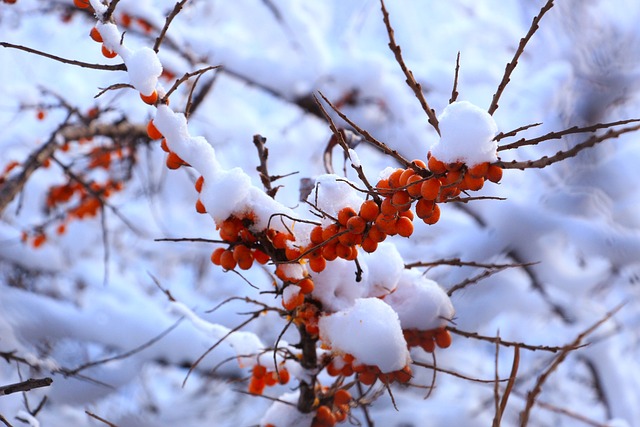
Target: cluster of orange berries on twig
{"type": "Point", "coordinates": [261, 377]}
{"type": "Point", "coordinates": [346, 365]}
{"type": "Point", "coordinates": [427, 340]}
{"type": "Point", "coordinates": [334, 409]}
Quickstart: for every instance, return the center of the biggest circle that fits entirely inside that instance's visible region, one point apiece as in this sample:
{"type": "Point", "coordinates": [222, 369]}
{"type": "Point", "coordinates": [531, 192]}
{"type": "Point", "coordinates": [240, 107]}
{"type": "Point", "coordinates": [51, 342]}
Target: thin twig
{"type": "Point", "coordinates": [176, 9]}
{"type": "Point", "coordinates": [117, 67]}
{"type": "Point", "coordinates": [504, 343]}
{"type": "Point", "coordinates": [454, 91]}
{"type": "Point", "coordinates": [514, 132]}
{"type": "Point", "coordinates": [411, 81]}
{"type": "Point", "coordinates": [109, 12]}
{"type": "Point", "coordinates": [25, 385]}
{"type": "Point", "coordinates": [92, 415]}
{"type": "Point", "coordinates": [511, 66]}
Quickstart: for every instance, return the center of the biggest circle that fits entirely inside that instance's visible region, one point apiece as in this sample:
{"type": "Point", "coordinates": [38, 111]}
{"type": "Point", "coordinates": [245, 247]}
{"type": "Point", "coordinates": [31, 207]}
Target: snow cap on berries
{"type": "Point", "coordinates": [467, 133]}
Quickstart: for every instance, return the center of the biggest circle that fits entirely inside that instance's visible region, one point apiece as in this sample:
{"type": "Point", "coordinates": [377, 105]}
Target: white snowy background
{"type": "Point", "coordinates": [77, 300]}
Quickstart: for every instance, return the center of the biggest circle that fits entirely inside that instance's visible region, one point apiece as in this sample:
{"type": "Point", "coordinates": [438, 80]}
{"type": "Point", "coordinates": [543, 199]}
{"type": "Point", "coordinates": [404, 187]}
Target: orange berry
{"type": "Point", "coordinates": [404, 375]}
{"type": "Point", "coordinates": [343, 251]}
{"type": "Point", "coordinates": [382, 187]}
{"type": "Point", "coordinates": [404, 226]}
{"type": "Point", "coordinates": [342, 397]}
{"type": "Point", "coordinates": [401, 201]}
{"type": "Point", "coordinates": [200, 207]}
{"type": "Point", "coordinates": [329, 251]}
{"type": "Point", "coordinates": [153, 131]}
{"type": "Point", "coordinates": [387, 207]}
{"type": "Point", "coordinates": [217, 255]}
{"type": "Point", "coordinates": [386, 224]}
{"type": "Point", "coordinates": [456, 166]}
{"type": "Point", "coordinates": [150, 99]}
{"type": "Point", "coordinates": [316, 235]}
{"type": "Point", "coordinates": [227, 261]}
{"type": "Point", "coordinates": [259, 371]}
{"type": "Point", "coordinates": [408, 214]}
{"type": "Point", "coordinates": [436, 166]}
{"type": "Point", "coordinates": [453, 178]}
{"type": "Point", "coordinates": [164, 146]}
{"type": "Point", "coordinates": [174, 161]}
{"type": "Point", "coordinates": [95, 35]}
{"type": "Point", "coordinates": [280, 240]}
{"type": "Point", "coordinates": [317, 264]}
{"type": "Point", "coordinates": [108, 53]}
{"type": "Point", "coordinates": [293, 302]}
{"type": "Point", "coordinates": [369, 210]}
{"type": "Point", "coordinates": [405, 176]}
{"type": "Point", "coordinates": [367, 377]}
{"type": "Point", "coordinates": [270, 379]}
{"type": "Point", "coordinates": [344, 214]}
{"type": "Point", "coordinates": [394, 178]}
{"type": "Point", "coordinates": [428, 344]}
{"type": "Point", "coordinates": [325, 417]}
{"type": "Point", "coordinates": [256, 385]}
{"type": "Point", "coordinates": [414, 185]}
{"type": "Point", "coordinates": [424, 208]}
{"type": "Point", "coordinates": [243, 256]}
{"type": "Point", "coordinates": [82, 4]}
{"type": "Point", "coordinates": [443, 338]}
{"type": "Point", "coordinates": [430, 189]}
{"type": "Point", "coordinates": [292, 253]}
{"type": "Point", "coordinates": [419, 163]}
{"type": "Point", "coordinates": [479, 171]}
{"type": "Point", "coordinates": [284, 376]}
{"type": "Point", "coordinates": [494, 174]}
{"type": "Point", "coordinates": [472, 183]}
{"type": "Point", "coordinates": [306, 285]}
{"type": "Point", "coordinates": [347, 370]}
{"type": "Point", "coordinates": [434, 217]}
{"type": "Point", "coordinates": [39, 240]}
{"type": "Point", "coordinates": [356, 224]}
{"type": "Point", "coordinates": [260, 256]}
{"type": "Point", "coordinates": [376, 235]}
{"type": "Point", "coordinates": [330, 231]}
{"type": "Point", "coordinates": [332, 370]}
{"type": "Point", "coordinates": [369, 245]}
{"type": "Point", "coordinates": [199, 184]}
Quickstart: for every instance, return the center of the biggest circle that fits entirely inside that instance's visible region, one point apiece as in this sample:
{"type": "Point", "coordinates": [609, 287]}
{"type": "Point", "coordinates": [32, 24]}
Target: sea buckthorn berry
{"type": "Point", "coordinates": [367, 377]}
{"type": "Point", "coordinates": [330, 231]}
{"type": "Point", "coordinates": [369, 210]}
{"type": "Point", "coordinates": [428, 344]}
{"type": "Point", "coordinates": [259, 371]}
{"type": "Point", "coordinates": [216, 255]}
{"type": "Point", "coordinates": [316, 235]}
{"type": "Point", "coordinates": [394, 178]}
{"type": "Point", "coordinates": [343, 251]}
{"type": "Point", "coordinates": [376, 235]}
{"type": "Point", "coordinates": [227, 261]}
{"type": "Point", "coordinates": [344, 214]}
{"type": "Point", "coordinates": [329, 251]}
{"type": "Point", "coordinates": [270, 379]}
{"type": "Point", "coordinates": [387, 207]}
{"type": "Point", "coordinates": [256, 385]}
{"type": "Point", "coordinates": [260, 256]}
{"type": "Point", "coordinates": [280, 240]}
{"type": "Point", "coordinates": [408, 214]}
{"type": "Point", "coordinates": [386, 224]}
{"type": "Point", "coordinates": [356, 224]}
{"type": "Point", "coordinates": [342, 397]}
{"type": "Point", "coordinates": [292, 253]}
{"type": "Point", "coordinates": [350, 239]}
{"type": "Point", "coordinates": [243, 256]}
{"type": "Point", "coordinates": [382, 187]}
{"type": "Point", "coordinates": [108, 53]}
{"type": "Point", "coordinates": [153, 131]}
{"type": "Point", "coordinates": [150, 99]}
{"type": "Point", "coordinates": [401, 201]}
{"type": "Point", "coordinates": [199, 184]}
{"type": "Point", "coordinates": [452, 178]}
{"type": "Point", "coordinates": [472, 183]}
{"type": "Point", "coordinates": [39, 240]}
{"type": "Point", "coordinates": [419, 163]}
{"type": "Point", "coordinates": [325, 417]}
{"type": "Point", "coordinates": [430, 189]}
{"type": "Point", "coordinates": [405, 176]}
{"type": "Point", "coordinates": [200, 207]}
{"type": "Point", "coordinates": [436, 166]}
{"type": "Point", "coordinates": [479, 171]}
{"type": "Point", "coordinates": [404, 226]}
{"type": "Point", "coordinates": [306, 285]}
{"type": "Point", "coordinates": [414, 185]}
{"type": "Point", "coordinates": [95, 35]}
{"type": "Point", "coordinates": [347, 370]}
{"type": "Point", "coordinates": [293, 302]}
{"type": "Point", "coordinates": [369, 245]}
{"type": "Point", "coordinates": [443, 338]}
{"type": "Point", "coordinates": [174, 161]}
{"type": "Point", "coordinates": [424, 208]}
{"type": "Point", "coordinates": [317, 264]}
{"type": "Point", "coordinates": [404, 375]}
{"type": "Point", "coordinates": [283, 376]}
{"type": "Point", "coordinates": [434, 217]}
{"type": "Point", "coordinates": [332, 370]}
{"type": "Point", "coordinates": [494, 174]}
{"type": "Point", "coordinates": [82, 4]}
{"type": "Point", "coordinates": [455, 166]}
{"type": "Point", "coordinates": [164, 146]}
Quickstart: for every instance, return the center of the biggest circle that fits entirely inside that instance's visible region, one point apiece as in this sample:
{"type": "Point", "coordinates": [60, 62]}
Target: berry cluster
{"type": "Point", "coordinates": [346, 365]}
{"type": "Point", "coordinates": [334, 409]}
{"type": "Point", "coordinates": [173, 160]}
{"type": "Point", "coordinates": [428, 340]}
{"type": "Point", "coordinates": [261, 378]}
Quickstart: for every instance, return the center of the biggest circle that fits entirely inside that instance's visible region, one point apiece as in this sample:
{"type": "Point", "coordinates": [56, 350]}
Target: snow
{"type": "Point", "coordinates": [370, 331]}
{"type": "Point", "coordinates": [467, 133]}
{"type": "Point", "coordinates": [144, 68]}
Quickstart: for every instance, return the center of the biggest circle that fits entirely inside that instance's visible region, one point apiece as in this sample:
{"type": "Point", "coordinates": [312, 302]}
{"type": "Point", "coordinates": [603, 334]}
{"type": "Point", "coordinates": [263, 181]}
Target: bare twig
{"type": "Point", "coordinates": [459, 263]}
{"type": "Point", "coordinates": [563, 155]}
{"type": "Point", "coordinates": [92, 415]}
{"type": "Point", "coordinates": [504, 343]}
{"type": "Point", "coordinates": [454, 91]}
{"type": "Point", "coordinates": [537, 388]}
{"type": "Point", "coordinates": [109, 12]}
{"type": "Point", "coordinates": [514, 132]}
{"type": "Point", "coordinates": [509, 388]}
{"type": "Point", "coordinates": [5, 421]}
{"type": "Point", "coordinates": [263, 171]}
{"type": "Point", "coordinates": [186, 77]}
{"type": "Point", "coordinates": [411, 81]}
{"type": "Point", "coordinates": [511, 66]}
{"type": "Point", "coordinates": [25, 385]}
{"type": "Point", "coordinates": [176, 9]}
{"type": "Point", "coordinates": [105, 67]}
{"type": "Point", "coordinates": [475, 279]}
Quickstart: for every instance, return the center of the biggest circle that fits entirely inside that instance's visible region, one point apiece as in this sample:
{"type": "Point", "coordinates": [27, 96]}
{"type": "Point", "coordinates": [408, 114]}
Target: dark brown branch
{"type": "Point", "coordinates": [475, 279]}
{"type": "Point", "coordinates": [504, 343]}
{"type": "Point", "coordinates": [557, 135]}
{"type": "Point", "coordinates": [514, 132]}
{"type": "Point", "coordinates": [511, 66]}
{"type": "Point", "coordinates": [263, 171]}
{"type": "Point", "coordinates": [367, 136]}
{"type": "Point", "coordinates": [537, 388]}
{"type": "Point", "coordinates": [454, 91]}
{"type": "Point", "coordinates": [563, 155]}
{"type": "Point", "coordinates": [25, 385]}
{"type": "Point", "coordinates": [459, 263]}
{"type": "Point", "coordinates": [92, 415]}
{"type": "Point", "coordinates": [186, 77]}
{"type": "Point", "coordinates": [509, 388]}
{"type": "Point", "coordinates": [117, 67]}
{"type": "Point", "coordinates": [411, 81]}
{"type": "Point", "coordinates": [176, 9]}
{"type": "Point", "coordinates": [109, 12]}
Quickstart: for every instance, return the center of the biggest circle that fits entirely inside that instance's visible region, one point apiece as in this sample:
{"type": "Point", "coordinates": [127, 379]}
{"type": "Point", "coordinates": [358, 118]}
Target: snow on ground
{"type": "Point", "coordinates": [94, 292]}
